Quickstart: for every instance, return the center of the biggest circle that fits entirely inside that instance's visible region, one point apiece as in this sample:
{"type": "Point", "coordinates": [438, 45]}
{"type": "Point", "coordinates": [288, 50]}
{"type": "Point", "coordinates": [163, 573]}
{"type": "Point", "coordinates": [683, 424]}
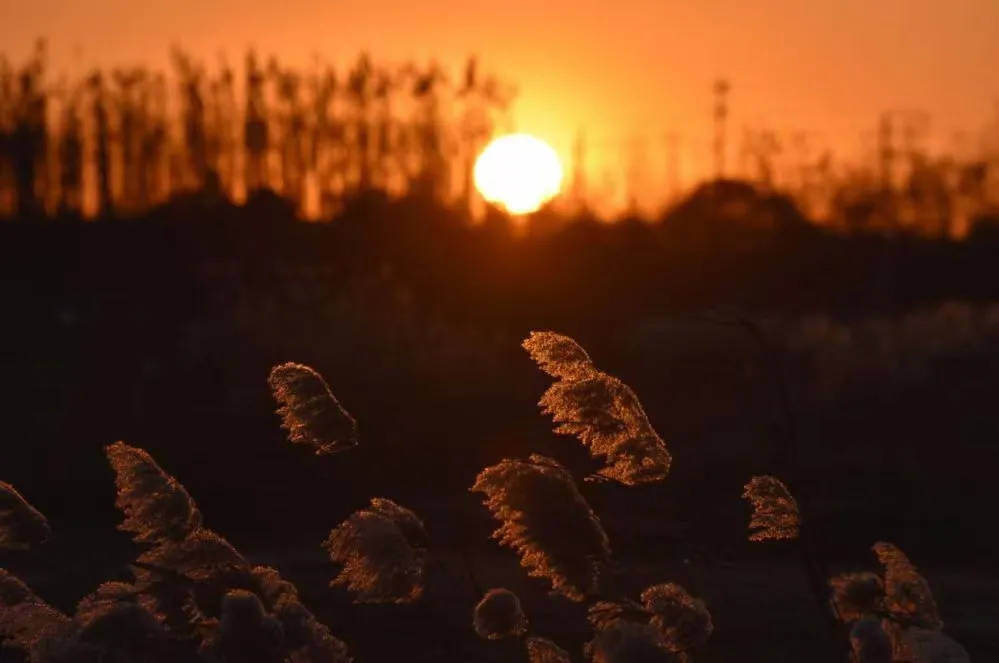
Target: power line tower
{"type": "Point", "coordinates": [721, 91]}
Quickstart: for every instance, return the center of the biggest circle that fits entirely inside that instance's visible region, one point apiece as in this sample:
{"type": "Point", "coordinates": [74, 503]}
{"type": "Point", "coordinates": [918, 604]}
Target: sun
{"type": "Point", "coordinates": [519, 172]}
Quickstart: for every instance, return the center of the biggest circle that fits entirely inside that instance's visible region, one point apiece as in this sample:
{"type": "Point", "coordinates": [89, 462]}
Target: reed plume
{"type": "Point", "coordinates": [115, 624]}
{"type": "Point", "coordinates": [907, 594]}
{"type": "Point", "coordinates": [559, 356]}
{"type": "Point", "coordinates": [27, 623]}
{"type": "Point", "coordinates": [306, 639]}
{"type": "Point", "coordinates": [624, 641]}
{"type": "Point", "coordinates": [156, 507]}
{"type": "Point", "coordinates": [543, 650]}
{"type": "Point", "coordinates": [668, 623]}
{"type": "Point", "coordinates": [856, 595]}
{"type": "Point", "coordinates": [600, 410]}
{"type": "Point", "coordinates": [309, 411]}
{"type": "Point", "coordinates": [382, 551]}
{"type": "Point", "coordinates": [21, 525]}
{"type": "Point", "coordinates": [682, 620]}
{"type": "Point", "coordinates": [547, 522]}
{"type": "Point", "coordinates": [499, 615]}
{"type": "Point", "coordinates": [894, 615]}
{"type": "Point", "coordinates": [775, 511]}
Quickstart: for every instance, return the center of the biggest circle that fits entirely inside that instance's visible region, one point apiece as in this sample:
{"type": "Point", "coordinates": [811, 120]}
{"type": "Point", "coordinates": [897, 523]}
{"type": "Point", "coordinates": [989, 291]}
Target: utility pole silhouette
{"type": "Point", "coordinates": [721, 90]}
{"type": "Point", "coordinates": [578, 186]}
{"type": "Point", "coordinates": [886, 151]}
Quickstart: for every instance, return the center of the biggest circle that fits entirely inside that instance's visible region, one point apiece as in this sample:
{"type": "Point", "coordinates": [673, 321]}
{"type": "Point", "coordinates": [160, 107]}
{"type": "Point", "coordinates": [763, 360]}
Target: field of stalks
{"type": "Point", "coordinates": [398, 590]}
{"type": "Point", "coordinates": [745, 442]}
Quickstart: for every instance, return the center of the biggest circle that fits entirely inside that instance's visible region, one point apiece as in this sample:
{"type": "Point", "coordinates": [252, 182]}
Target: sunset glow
{"type": "Point", "coordinates": [626, 76]}
{"type": "Point", "coordinates": [497, 261]}
{"type": "Point", "coordinates": [519, 172]}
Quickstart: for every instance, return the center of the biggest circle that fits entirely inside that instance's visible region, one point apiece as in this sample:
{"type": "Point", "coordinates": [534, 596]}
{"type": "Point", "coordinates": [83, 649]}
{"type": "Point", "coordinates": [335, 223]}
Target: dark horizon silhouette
{"type": "Point", "coordinates": [115, 144]}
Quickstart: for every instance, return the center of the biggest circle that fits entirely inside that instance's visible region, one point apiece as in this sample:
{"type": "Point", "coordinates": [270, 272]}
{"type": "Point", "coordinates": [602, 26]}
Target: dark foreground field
{"type": "Point", "coordinates": [162, 334]}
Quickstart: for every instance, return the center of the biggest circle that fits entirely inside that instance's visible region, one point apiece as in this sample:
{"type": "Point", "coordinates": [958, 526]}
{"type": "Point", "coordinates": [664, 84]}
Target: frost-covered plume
{"type": "Point", "coordinates": [21, 525]}
{"type": "Point", "coordinates": [775, 511]}
{"type": "Point", "coordinates": [382, 550]}
{"type": "Point", "coordinates": [547, 522]}
{"type": "Point", "coordinates": [600, 410]}
{"type": "Point", "coordinates": [309, 411]}
{"type": "Point", "coordinates": [499, 615]}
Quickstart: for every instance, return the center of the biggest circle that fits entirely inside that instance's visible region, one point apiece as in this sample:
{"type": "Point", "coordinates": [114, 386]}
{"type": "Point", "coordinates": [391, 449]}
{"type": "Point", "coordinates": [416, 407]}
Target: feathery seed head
{"type": "Point", "coordinates": [27, 623]}
{"type": "Point", "coordinates": [499, 615]}
{"type": "Point", "coordinates": [21, 525]}
{"type": "Point", "coordinates": [543, 650]}
{"type": "Point", "coordinates": [856, 595]}
{"type": "Point", "coordinates": [547, 522]}
{"type": "Point", "coordinates": [309, 410]}
{"type": "Point", "coordinates": [775, 511]}
{"type": "Point", "coordinates": [600, 410]}
{"type": "Point", "coordinates": [907, 594]}
{"type": "Point", "coordinates": [683, 621]}
{"type": "Point", "coordinates": [557, 355]}
{"type": "Point", "coordinates": [625, 641]}
{"type": "Point", "coordinates": [382, 551]}
{"type": "Point", "coordinates": [157, 508]}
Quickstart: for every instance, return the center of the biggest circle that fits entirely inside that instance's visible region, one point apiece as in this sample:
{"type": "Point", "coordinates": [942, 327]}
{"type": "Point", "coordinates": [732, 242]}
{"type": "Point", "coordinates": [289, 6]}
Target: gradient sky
{"type": "Point", "coordinates": [621, 69]}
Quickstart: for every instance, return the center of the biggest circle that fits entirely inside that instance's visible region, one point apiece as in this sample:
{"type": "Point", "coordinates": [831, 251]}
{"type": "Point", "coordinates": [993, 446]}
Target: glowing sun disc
{"type": "Point", "coordinates": [519, 172]}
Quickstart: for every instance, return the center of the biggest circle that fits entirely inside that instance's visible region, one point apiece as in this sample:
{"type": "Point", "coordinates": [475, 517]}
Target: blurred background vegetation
{"type": "Point", "coordinates": [118, 143]}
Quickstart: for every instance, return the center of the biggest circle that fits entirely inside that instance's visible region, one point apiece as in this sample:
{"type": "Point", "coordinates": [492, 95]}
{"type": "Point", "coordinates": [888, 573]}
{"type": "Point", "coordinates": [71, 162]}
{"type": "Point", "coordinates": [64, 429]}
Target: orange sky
{"type": "Point", "coordinates": [624, 70]}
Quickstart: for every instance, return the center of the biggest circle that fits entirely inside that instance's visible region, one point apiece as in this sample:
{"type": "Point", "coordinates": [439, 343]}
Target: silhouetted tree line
{"type": "Point", "coordinates": [118, 143]}
{"type": "Point", "coordinates": [901, 187]}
